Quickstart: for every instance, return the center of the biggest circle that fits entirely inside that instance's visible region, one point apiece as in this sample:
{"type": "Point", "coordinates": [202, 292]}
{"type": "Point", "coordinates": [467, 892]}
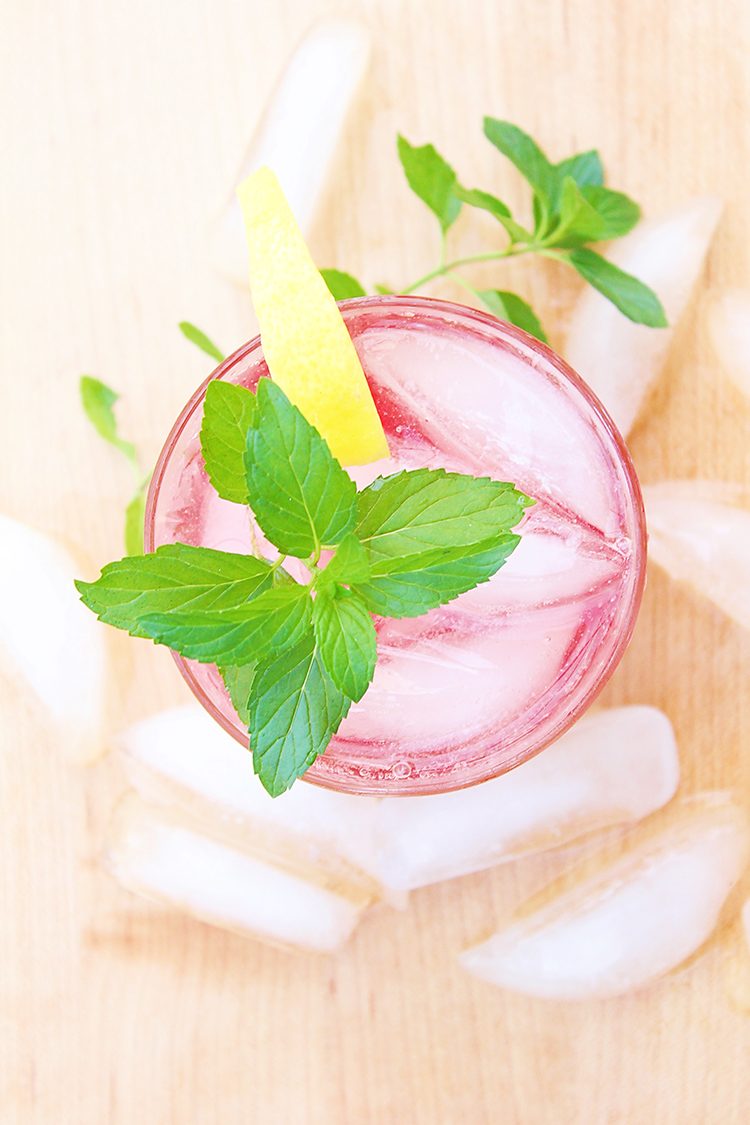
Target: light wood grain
{"type": "Point", "coordinates": [123, 126]}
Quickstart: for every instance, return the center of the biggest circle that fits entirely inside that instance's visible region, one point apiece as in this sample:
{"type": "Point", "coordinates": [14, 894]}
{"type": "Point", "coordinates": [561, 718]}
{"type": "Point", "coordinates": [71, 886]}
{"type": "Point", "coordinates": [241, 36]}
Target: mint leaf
{"type": "Point", "coordinates": [201, 340]}
{"type": "Point", "coordinates": [228, 415]}
{"type": "Point", "coordinates": [432, 179]}
{"type": "Point", "coordinates": [294, 709]}
{"type": "Point", "coordinates": [497, 208]}
{"type": "Point", "coordinates": [349, 564]}
{"type": "Point", "coordinates": [135, 517]}
{"type": "Point", "coordinates": [511, 307]}
{"type": "Point", "coordinates": [619, 212]}
{"type": "Point", "coordinates": [579, 222]}
{"type": "Point", "coordinates": [585, 168]}
{"type": "Point", "coordinates": [418, 583]}
{"type": "Point", "coordinates": [526, 154]}
{"type": "Point", "coordinates": [627, 293]}
{"type": "Point", "coordinates": [342, 285]}
{"type": "Point", "coordinates": [346, 640]}
{"type": "Point", "coordinates": [300, 495]}
{"type": "Point", "coordinates": [238, 682]}
{"type": "Point", "coordinates": [97, 400]}
{"type": "Point", "coordinates": [175, 577]}
{"type": "Point", "coordinates": [383, 290]}
{"type": "Point", "coordinates": [270, 622]}
{"type": "Point", "coordinates": [412, 512]}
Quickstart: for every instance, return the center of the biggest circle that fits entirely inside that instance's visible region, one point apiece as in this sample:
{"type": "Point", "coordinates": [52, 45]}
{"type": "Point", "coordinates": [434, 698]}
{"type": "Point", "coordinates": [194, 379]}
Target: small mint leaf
{"type": "Point", "coordinates": [384, 291]}
{"type": "Point", "coordinates": [228, 415]}
{"type": "Point", "coordinates": [270, 622]}
{"type": "Point", "coordinates": [97, 400]}
{"type": "Point", "coordinates": [415, 511]}
{"type": "Point", "coordinates": [300, 495]}
{"type": "Point", "coordinates": [419, 583]}
{"type": "Point", "coordinates": [525, 153]}
{"type": "Point", "coordinates": [135, 516]}
{"type": "Point", "coordinates": [201, 340]}
{"type": "Point", "coordinates": [294, 709]}
{"type": "Point", "coordinates": [585, 168]}
{"type": "Point", "coordinates": [342, 285]}
{"type": "Point", "coordinates": [509, 306]}
{"type": "Point", "coordinates": [176, 577]}
{"type": "Point", "coordinates": [432, 179]}
{"type": "Point", "coordinates": [238, 682]}
{"type": "Point", "coordinates": [639, 303]}
{"type": "Point", "coordinates": [486, 202]}
{"type": "Point", "coordinates": [347, 642]}
{"type": "Point", "coordinates": [579, 222]}
{"type": "Point", "coordinates": [619, 212]}
{"type": "Point", "coordinates": [349, 564]}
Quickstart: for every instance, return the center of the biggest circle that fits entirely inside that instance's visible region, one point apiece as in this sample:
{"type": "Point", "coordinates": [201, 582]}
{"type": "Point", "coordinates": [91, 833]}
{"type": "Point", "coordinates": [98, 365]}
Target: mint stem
{"type": "Point", "coordinates": [441, 271]}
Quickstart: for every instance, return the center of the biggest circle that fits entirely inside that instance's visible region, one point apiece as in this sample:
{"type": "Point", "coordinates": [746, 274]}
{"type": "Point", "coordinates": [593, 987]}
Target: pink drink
{"type": "Point", "coordinates": [475, 687]}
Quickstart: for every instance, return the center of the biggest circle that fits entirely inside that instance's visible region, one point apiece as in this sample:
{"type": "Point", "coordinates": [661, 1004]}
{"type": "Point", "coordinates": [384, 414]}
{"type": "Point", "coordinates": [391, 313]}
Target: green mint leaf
{"type": "Point", "coordinates": [294, 709]}
{"type": "Point", "coordinates": [432, 179]}
{"type": "Point", "coordinates": [135, 516]}
{"type": "Point", "coordinates": [176, 577]}
{"type": "Point", "coordinates": [300, 495]}
{"type": "Point", "coordinates": [476, 198]}
{"type": "Point", "coordinates": [342, 285]}
{"type": "Point", "coordinates": [270, 622]}
{"type": "Point", "coordinates": [384, 291]}
{"type": "Point", "coordinates": [509, 306]}
{"type": "Point", "coordinates": [585, 168]}
{"type": "Point", "coordinates": [413, 512]}
{"type": "Point", "coordinates": [422, 582]}
{"type": "Point", "coordinates": [579, 222]}
{"type": "Point", "coordinates": [238, 682]}
{"type": "Point", "coordinates": [347, 642]}
{"type": "Point", "coordinates": [97, 400]}
{"type": "Point", "coordinates": [486, 202]}
{"type": "Point", "coordinates": [201, 340]}
{"type": "Point", "coordinates": [526, 154]}
{"type": "Point", "coordinates": [349, 564]}
{"type": "Point", "coordinates": [627, 293]}
{"type": "Point", "coordinates": [228, 415]}
{"type": "Point", "coordinates": [619, 212]}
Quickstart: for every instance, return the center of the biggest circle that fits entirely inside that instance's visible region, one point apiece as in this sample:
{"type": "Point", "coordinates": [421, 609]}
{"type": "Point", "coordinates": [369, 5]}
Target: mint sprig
{"type": "Point", "coordinates": [98, 401]}
{"type": "Point", "coordinates": [295, 655]}
{"type": "Point", "coordinates": [571, 207]}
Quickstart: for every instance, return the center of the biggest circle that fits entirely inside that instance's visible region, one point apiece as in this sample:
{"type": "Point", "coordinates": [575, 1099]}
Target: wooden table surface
{"type": "Point", "coordinates": [123, 125]}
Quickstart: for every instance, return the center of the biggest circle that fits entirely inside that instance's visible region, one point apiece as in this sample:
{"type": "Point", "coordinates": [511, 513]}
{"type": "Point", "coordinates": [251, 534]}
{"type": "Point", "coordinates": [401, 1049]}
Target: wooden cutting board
{"type": "Point", "coordinates": [123, 127]}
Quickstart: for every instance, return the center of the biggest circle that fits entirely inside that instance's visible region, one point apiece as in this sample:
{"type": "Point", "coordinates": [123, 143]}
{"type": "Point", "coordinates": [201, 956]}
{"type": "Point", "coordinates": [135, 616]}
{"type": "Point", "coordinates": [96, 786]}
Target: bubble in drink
{"type": "Point", "coordinates": [477, 686]}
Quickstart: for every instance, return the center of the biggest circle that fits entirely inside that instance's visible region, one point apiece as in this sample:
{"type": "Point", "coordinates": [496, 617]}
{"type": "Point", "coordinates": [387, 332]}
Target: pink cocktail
{"type": "Point", "coordinates": [475, 687]}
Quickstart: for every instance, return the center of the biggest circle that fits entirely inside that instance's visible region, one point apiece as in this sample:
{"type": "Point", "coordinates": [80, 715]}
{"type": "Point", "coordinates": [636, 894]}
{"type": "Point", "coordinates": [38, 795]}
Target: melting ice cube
{"type": "Point", "coordinates": [183, 757]}
{"type": "Point", "coordinates": [50, 638]}
{"type": "Point", "coordinates": [161, 853]}
{"type": "Point", "coordinates": [699, 536]}
{"type": "Point", "coordinates": [612, 767]}
{"type": "Point", "coordinates": [619, 359]}
{"type": "Point", "coordinates": [631, 922]}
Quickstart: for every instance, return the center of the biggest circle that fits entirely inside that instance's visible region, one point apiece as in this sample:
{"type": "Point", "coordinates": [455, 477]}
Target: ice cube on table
{"type": "Point", "coordinates": [299, 132]}
{"type": "Point", "coordinates": [163, 854]}
{"type": "Point", "coordinates": [183, 757]}
{"type": "Point", "coordinates": [49, 639]}
{"type": "Point", "coordinates": [613, 767]}
{"type": "Point", "coordinates": [629, 923]}
{"type": "Point", "coordinates": [620, 360]}
{"type": "Point", "coordinates": [699, 536]}
{"type": "Point", "coordinates": [729, 327]}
